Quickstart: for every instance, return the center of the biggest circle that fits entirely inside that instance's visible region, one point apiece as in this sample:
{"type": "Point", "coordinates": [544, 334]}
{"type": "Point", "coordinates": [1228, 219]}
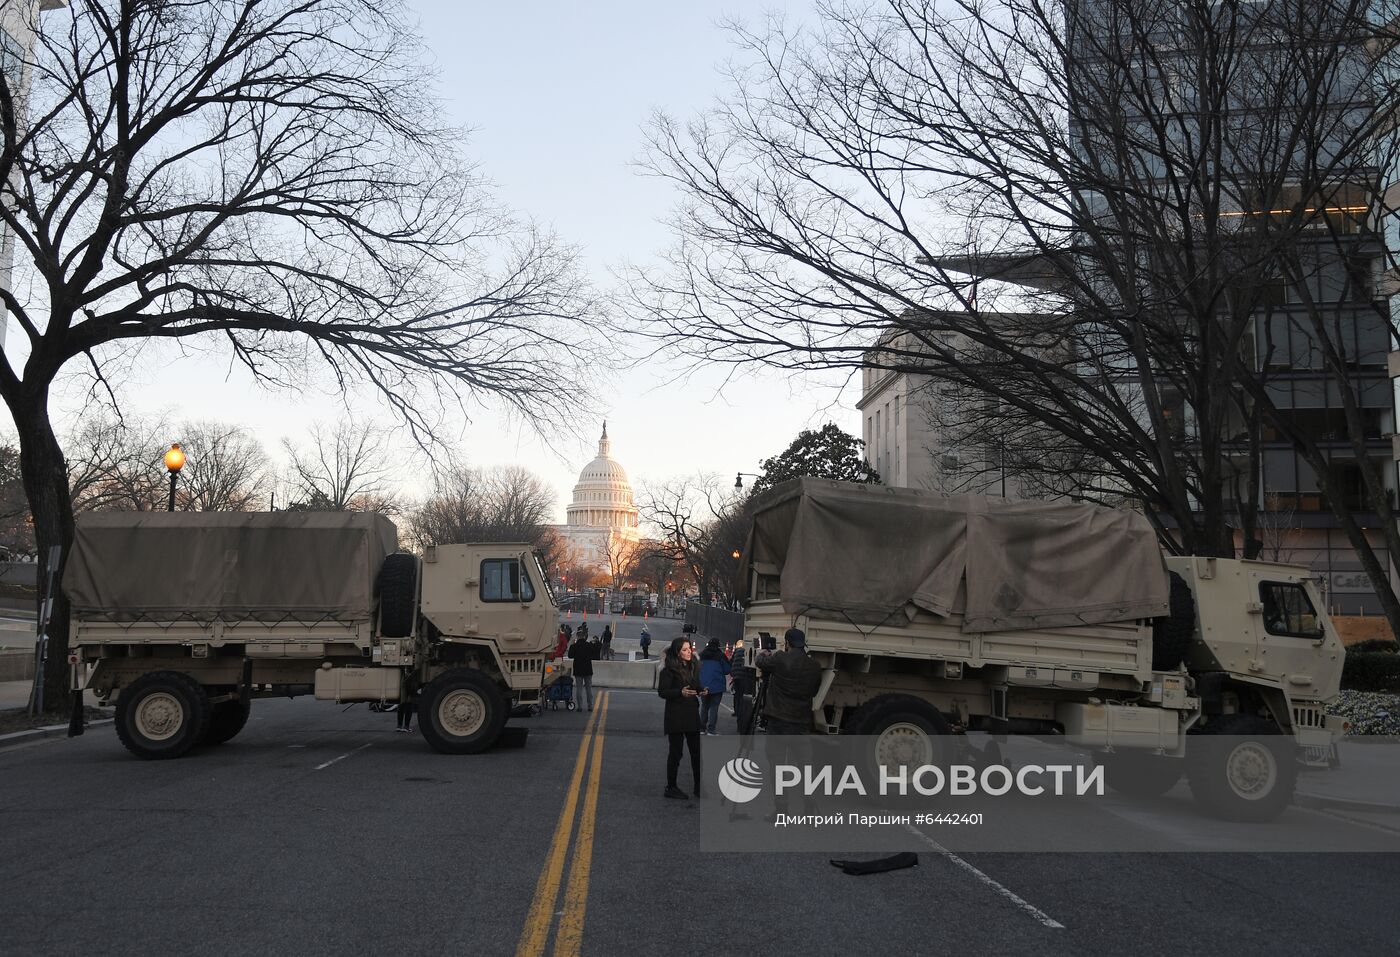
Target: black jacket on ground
{"type": "Point", "coordinates": [582, 655]}
{"type": "Point", "coordinates": [793, 680]}
{"type": "Point", "coordinates": [682, 713]}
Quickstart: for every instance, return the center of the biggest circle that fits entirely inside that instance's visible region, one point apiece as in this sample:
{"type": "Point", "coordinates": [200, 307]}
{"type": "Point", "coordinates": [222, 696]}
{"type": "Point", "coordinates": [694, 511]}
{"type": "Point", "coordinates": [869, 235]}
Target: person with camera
{"type": "Point", "coordinates": [792, 678]}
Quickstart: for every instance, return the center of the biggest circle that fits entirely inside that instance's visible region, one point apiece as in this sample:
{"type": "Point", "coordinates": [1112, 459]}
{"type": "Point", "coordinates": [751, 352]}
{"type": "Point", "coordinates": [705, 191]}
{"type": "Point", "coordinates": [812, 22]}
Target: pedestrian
{"type": "Point", "coordinates": [679, 684]}
{"type": "Point", "coordinates": [714, 669]}
{"type": "Point", "coordinates": [741, 682]}
{"type": "Point", "coordinates": [607, 642]}
{"type": "Point", "coordinates": [582, 656]}
{"type": "Point", "coordinates": [405, 710]}
{"type": "Point", "coordinates": [561, 646]}
{"type": "Point", "coordinates": [646, 643]}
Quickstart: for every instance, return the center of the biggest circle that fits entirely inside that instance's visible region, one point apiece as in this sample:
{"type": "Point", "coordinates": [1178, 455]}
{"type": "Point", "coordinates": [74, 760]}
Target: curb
{"type": "Point", "coordinates": [16, 738]}
{"type": "Point", "coordinates": [1304, 799]}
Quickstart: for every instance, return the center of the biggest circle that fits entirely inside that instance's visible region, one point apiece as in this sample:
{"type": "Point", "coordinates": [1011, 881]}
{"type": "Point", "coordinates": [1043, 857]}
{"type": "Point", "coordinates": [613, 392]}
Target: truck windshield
{"type": "Point", "coordinates": [1288, 611]}
{"type": "Point", "coordinates": [544, 579]}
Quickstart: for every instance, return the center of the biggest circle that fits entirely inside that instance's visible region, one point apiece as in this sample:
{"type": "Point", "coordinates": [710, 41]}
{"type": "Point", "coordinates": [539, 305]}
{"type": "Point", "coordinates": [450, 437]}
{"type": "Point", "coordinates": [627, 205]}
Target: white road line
{"type": "Point", "coordinates": [1347, 819]}
{"type": "Point", "coordinates": [322, 767]}
{"type": "Point", "coordinates": [1025, 905]}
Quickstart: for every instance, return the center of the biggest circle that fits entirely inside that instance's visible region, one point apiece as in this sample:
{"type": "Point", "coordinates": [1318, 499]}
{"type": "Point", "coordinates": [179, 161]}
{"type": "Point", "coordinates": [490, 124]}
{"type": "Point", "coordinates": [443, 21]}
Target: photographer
{"type": "Point", "coordinates": [793, 678]}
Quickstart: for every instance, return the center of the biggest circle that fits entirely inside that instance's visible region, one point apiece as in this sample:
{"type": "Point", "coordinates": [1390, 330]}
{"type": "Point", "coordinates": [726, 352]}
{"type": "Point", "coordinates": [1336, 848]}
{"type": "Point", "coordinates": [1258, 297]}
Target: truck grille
{"type": "Point", "coordinates": [1308, 716]}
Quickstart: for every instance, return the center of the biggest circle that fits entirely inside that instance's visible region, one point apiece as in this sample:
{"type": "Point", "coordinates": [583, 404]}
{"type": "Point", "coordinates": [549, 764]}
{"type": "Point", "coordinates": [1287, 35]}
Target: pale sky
{"type": "Point", "coordinates": [556, 95]}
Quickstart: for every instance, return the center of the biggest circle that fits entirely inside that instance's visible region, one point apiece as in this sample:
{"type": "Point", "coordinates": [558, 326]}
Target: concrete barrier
{"type": "Point", "coordinates": [625, 674]}
{"type": "Point", "coordinates": [19, 573]}
{"type": "Point", "coordinates": [17, 665]}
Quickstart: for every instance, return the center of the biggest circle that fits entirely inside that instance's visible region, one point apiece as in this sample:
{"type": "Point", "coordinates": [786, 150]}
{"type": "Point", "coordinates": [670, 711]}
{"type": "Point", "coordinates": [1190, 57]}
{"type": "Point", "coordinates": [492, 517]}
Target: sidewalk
{"type": "Point", "coordinates": [1368, 779]}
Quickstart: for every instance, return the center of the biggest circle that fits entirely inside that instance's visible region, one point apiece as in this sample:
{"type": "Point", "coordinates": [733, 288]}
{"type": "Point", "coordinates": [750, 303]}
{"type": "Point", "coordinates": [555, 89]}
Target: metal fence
{"type": "Point", "coordinates": [711, 622]}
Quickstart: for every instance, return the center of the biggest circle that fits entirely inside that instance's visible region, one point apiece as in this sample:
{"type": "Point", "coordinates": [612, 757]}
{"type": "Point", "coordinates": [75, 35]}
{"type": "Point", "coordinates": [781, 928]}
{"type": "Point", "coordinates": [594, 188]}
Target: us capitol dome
{"type": "Point", "coordinates": [602, 513]}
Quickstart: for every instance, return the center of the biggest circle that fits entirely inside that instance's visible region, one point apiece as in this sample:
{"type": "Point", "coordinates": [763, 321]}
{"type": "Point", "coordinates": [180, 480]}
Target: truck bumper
{"type": "Point", "coordinates": [1317, 747]}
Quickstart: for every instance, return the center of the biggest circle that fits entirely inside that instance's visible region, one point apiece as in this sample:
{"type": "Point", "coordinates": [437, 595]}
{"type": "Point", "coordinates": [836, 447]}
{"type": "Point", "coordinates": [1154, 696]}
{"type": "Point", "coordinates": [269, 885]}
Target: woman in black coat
{"type": "Point", "coordinates": [679, 684]}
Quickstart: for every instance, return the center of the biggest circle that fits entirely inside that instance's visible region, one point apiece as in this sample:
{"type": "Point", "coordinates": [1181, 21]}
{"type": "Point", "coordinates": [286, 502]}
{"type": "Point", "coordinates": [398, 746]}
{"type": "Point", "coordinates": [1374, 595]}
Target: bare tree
{"type": "Point", "coordinates": [622, 554]}
{"type": "Point", "coordinates": [115, 464]}
{"type": "Point", "coordinates": [226, 469]}
{"type": "Point", "coordinates": [345, 467]}
{"type": "Point", "coordinates": [272, 177]}
{"type": "Point", "coordinates": [503, 504]}
{"type": "Point", "coordinates": [1096, 214]}
{"type": "Point", "coordinates": [657, 567]}
{"type": "Point", "coordinates": [695, 516]}
{"type": "Point", "coordinates": [16, 529]}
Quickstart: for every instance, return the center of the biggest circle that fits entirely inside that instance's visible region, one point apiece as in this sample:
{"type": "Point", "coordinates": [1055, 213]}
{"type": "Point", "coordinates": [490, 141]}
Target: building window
{"type": "Point", "coordinates": [11, 61]}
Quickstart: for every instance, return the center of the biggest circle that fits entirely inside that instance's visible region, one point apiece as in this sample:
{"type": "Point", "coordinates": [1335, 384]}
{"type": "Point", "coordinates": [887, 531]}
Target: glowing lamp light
{"type": "Point", "coordinates": [175, 458]}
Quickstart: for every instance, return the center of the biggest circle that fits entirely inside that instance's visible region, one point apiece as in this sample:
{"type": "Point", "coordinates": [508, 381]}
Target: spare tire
{"type": "Point", "coordinates": [1171, 636]}
{"type": "Point", "coordinates": [398, 595]}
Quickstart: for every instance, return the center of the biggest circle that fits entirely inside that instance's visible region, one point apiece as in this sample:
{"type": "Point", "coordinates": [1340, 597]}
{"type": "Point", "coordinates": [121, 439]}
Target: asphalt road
{"type": "Point", "coordinates": [321, 831]}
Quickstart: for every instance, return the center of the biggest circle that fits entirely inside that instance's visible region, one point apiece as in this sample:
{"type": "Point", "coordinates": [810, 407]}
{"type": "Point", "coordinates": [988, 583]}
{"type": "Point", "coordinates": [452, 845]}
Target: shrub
{"type": "Point", "coordinates": [1371, 671]}
{"type": "Point", "coordinates": [1372, 645]}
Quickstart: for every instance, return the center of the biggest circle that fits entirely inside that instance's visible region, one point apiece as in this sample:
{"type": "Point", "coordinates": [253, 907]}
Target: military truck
{"type": "Point", "coordinates": [935, 614]}
{"type": "Point", "coordinates": [182, 620]}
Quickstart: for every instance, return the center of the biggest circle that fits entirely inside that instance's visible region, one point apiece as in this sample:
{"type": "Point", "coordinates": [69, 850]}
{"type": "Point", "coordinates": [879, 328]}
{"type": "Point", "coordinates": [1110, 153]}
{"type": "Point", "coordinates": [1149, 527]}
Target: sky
{"type": "Point", "coordinates": [556, 95]}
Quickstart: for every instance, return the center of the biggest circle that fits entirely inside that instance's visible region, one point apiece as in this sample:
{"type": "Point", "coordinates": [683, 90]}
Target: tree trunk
{"type": "Point", "coordinates": [45, 479]}
{"type": "Point", "coordinates": [1356, 535]}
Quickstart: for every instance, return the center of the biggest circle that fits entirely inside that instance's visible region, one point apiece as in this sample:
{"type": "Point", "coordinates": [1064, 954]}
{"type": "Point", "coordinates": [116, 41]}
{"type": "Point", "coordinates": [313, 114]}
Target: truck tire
{"type": "Point", "coordinates": [226, 720]}
{"type": "Point", "coordinates": [907, 731]}
{"type": "Point", "coordinates": [1140, 774]}
{"type": "Point", "coordinates": [162, 715]}
{"type": "Point", "coordinates": [461, 712]}
{"type": "Point", "coordinates": [398, 595]}
{"type": "Point", "coordinates": [1241, 767]}
{"type": "Point", "coordinates": [1171, 636]}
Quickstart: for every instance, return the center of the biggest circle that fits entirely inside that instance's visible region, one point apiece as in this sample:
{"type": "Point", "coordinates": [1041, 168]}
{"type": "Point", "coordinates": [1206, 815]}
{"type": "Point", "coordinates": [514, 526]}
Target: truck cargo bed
{"type": "Point", "coordinates": [1123, 648]}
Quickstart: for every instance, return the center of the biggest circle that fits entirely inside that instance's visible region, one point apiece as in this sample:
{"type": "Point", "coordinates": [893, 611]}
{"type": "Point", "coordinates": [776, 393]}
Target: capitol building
{"type": "Point", "coordinates": [601, 520]}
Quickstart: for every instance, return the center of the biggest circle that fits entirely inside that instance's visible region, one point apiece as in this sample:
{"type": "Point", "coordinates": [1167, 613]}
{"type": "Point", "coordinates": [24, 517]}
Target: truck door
{"type": "Point", "coordinates": [1292, 637]}
{"type": "Point", "coordinates": [508, 596]}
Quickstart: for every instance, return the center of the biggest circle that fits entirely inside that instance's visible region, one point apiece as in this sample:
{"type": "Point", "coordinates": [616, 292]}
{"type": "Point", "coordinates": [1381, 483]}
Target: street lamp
{"type": "Point", "coordinates": [739, 478]}
{"type": "Point", "coordinates": [734, 554]}
{"type": "Point", "coordinates": [174, 462]}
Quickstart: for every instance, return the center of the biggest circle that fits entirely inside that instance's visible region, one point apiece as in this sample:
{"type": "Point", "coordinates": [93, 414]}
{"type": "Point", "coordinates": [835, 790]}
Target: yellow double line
{"type": "Point", "coordinates": [569, 937]}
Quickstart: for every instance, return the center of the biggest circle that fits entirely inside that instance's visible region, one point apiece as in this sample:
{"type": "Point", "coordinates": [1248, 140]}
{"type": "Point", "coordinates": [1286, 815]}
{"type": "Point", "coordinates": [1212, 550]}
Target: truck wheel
{"type": "Point", "coordinates": [461, 712]}
{"type": "Point", "coordinates": [226, 720]}
{"type": "Point", "coordinates": [1171, 636]}
{"type": "Point", "coordinates": [398, 595]}
{"type": "Point", "coordinates": [162, 715]}
{"type": "Point", "coordinates": [907, 731]}
{"type": "Point", "coordinates": [1241, 768]}
{"type": "Point", "coordinates": [1139, 774]}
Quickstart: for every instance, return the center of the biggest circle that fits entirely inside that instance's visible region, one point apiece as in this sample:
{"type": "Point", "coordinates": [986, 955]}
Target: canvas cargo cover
{"type": "Point", "coordinates": [227, 565]}
{"type": "Point", "coordinates": [875, 555]}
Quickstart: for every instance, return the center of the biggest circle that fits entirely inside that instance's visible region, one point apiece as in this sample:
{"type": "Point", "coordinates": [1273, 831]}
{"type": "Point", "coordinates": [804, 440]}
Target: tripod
{"type": "Point", "coordinates": [760, 700]}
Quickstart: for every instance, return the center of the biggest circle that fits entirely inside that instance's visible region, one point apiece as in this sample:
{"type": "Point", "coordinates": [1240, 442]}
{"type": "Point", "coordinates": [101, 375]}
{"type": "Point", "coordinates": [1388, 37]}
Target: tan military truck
{"type": "Point", "coordinates": [934, 614]}
{"type": "Point", "coordinates": [183, 619]}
